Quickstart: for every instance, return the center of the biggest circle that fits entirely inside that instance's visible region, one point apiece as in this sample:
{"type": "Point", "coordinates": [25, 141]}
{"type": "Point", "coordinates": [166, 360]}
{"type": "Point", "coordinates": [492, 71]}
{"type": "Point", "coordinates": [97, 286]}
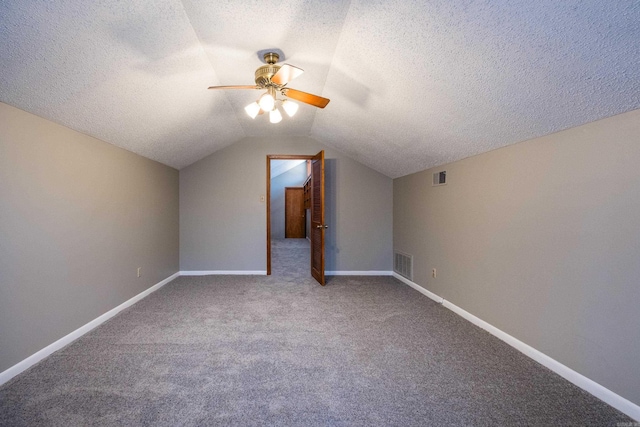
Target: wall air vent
{"type": "Point", "coordinates": [403, 264]}
{"type": "Point", "coordinates": [440, 178]}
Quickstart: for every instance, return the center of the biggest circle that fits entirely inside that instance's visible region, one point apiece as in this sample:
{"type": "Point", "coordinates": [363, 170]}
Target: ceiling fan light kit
{"type": "Point", "coordinates": [274, 78]}
{"type": "Point", "coordinates": [267, 101]}
{"type": "Point", "coordinates": [275, 116]}
{"type": "Point", "coordinates": [290, 107]}
{"type": "Point", "coordinates": [252, 109]}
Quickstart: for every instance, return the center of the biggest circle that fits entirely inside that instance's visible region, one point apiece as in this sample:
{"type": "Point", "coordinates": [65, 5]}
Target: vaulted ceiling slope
{"type": "Point", "coordinates": [413, 84]}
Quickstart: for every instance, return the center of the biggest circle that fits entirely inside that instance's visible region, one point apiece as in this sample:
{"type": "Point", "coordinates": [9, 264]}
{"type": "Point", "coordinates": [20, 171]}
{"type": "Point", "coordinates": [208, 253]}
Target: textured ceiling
{"type": "Point", "coordinates": [413, 84]}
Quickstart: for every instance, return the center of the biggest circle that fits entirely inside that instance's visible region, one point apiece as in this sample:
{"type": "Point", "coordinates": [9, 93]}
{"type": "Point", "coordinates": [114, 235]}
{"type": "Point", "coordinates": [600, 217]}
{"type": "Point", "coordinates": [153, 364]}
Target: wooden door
{"type": "Point", "coordinates": [294, 213]}
{"type": "Point", "coordinates": [318, 226]}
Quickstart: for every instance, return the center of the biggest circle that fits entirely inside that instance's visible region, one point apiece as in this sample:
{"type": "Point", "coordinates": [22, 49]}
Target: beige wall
{"type": "Point", "coordinates": [223, 221]}
{"type": "Point", "coordinates": [542, 240]}
{"type": "Point", "coordinates": [78, 216]}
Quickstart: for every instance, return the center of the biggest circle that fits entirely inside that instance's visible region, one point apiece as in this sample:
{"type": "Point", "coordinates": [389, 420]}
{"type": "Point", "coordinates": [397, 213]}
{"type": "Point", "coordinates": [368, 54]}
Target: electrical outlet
{"type": "Point", "coordinates": [139, 271]}
{"type": "Point", "coordinates": [434, 273]}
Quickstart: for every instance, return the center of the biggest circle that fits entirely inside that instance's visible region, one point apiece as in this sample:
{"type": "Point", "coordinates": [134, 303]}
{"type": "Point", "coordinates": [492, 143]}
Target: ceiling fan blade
{"type": "Point", "coordinates": [307, 98]}
{"type": "Point", "coordinates": [285, 74]}
{"type": "Point", "coordinates": [234, 87]}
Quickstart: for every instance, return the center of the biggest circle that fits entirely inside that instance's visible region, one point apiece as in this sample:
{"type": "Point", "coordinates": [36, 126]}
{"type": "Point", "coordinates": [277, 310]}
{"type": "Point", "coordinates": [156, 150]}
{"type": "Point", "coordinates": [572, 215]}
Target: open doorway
{"type": "Point", "coordinates": [300, 253]}
{"type": "Point", "coordinates": [290, 247]}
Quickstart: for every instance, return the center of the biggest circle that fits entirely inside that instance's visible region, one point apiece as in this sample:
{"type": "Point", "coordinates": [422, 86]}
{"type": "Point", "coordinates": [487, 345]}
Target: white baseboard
{"type": "Point", "coordinates": [620, 403]}
{"type": "Point", "coordinates": [419, 288]}
{"type": "Point", "coordinates": [222, 272]}
{"type": "Point", "coordinates": [263, 273]}
{"type": "Point", "coordinates": [69, 338]}
{"type": "Point", "coordinates": [358, 273]}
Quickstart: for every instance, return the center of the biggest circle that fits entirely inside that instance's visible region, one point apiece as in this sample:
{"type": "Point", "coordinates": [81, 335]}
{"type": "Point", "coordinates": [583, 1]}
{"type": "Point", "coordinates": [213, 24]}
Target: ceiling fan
{"type": "Point", "coordinates": [274, 79]}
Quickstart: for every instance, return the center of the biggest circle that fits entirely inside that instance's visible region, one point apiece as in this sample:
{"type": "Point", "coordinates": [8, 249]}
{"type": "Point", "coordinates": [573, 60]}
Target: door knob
{"type": "Point", "coordinates": [322, 226]}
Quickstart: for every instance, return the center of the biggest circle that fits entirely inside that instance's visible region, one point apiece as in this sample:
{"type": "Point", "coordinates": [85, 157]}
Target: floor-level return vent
{"type": "Point", "coordinates": [403, 264]}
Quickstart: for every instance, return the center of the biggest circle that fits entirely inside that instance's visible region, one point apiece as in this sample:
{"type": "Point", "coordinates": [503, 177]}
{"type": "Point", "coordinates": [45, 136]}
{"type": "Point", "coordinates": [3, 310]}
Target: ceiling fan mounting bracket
{"type": "Point", "coordinates": [271, 58]}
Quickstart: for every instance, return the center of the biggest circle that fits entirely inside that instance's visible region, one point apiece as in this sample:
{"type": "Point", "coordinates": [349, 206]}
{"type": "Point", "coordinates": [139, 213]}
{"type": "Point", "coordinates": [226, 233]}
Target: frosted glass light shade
{"type": "Point", "coordinates": [266, 102]}
{"type": "Point", "coordinates": [275, 116]}
{"type": "Point", "coordinates": [290, 107]}
{"type": "Point", "coordinates": [252, 109]}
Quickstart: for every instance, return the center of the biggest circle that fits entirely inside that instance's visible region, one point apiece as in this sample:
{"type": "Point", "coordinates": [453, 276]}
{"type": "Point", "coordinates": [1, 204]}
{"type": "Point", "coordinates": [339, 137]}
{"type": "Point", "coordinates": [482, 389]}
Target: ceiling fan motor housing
{"type": "Point", "coordinates": [264, 74]}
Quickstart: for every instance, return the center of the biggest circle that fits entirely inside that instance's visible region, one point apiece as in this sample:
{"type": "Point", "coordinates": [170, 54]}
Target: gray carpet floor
{"type": "Point", "coordinates": [291, 258]}
{"type": "Point", "coordinates": [282, 350]}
